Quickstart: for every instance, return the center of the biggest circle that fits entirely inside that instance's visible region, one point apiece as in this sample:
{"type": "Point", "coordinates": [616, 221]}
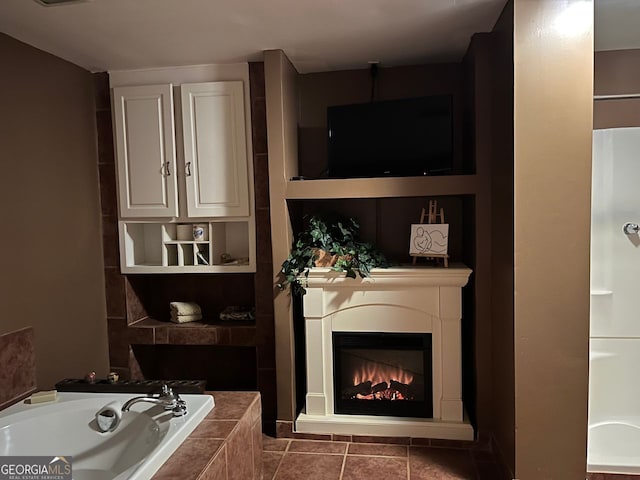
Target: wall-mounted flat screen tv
{"type": "Point", "coordinates": [395, 138]}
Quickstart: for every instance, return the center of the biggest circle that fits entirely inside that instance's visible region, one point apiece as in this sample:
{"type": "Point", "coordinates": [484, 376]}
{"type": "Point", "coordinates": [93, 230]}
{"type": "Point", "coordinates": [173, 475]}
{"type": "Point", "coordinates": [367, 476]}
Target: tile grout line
{"type": "Point", "coordinates": [284, 452]}
{"type": "Point", "coordinates": [344, 461]}
{"type": "Point", "coordinates": [335, 454]}
{"type": "Point", "coordinates": [371, 455]}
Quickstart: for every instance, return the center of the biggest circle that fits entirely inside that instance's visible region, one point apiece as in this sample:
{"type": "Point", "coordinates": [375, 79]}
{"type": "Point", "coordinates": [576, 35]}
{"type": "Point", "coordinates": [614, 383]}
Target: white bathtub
{"type": "Point", "coordinates": [145, 439]}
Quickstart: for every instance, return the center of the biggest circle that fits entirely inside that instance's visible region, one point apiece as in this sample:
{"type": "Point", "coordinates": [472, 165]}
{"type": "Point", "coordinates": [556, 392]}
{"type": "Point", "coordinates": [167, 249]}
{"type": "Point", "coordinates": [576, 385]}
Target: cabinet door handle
{"type": "Point", "coordinates": [188, 168]}
{"type": "Point", "coordinates": [167, 172]}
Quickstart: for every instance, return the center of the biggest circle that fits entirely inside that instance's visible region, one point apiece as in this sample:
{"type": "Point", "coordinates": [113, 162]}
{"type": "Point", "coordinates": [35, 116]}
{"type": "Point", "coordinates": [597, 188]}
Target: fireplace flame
{"type": "Point", "coordinates": [377, 373]}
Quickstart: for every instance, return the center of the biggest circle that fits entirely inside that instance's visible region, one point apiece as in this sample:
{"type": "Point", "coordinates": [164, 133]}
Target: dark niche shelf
{"type": "Point", "coordinates": [150, 331]}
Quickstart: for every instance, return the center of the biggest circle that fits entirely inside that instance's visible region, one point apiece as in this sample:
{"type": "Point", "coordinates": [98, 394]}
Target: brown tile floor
{"type": "Point", "coordinates": [289, 459]}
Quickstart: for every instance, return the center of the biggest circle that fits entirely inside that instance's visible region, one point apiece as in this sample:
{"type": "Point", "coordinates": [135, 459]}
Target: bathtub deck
{"type": "Point", "coordinates": [226, 445]}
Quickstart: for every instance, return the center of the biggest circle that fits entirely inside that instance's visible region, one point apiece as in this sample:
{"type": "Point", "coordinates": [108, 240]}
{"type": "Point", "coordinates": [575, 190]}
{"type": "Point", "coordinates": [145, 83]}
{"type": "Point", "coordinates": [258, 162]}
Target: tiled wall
{"type": "Point", "coordinates": [132, 298]}
{"type": "Point", "coordinates": [265, 332]}
{"type": "Point", "coordinates": [17, 366]}
{"type": "Point", "coordinates": [115, 283]}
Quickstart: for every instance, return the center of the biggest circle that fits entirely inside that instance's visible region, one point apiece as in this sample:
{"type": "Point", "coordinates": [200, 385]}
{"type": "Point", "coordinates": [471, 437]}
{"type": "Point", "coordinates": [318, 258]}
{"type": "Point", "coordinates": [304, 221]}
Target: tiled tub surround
{"type": "Point", "coordinates": [395, 300]}
{"type": "Point", "coordinates": [17, 366]}
{"type": "Point", "coordinates": [227, 445]}
{"type": "Point", "coordinates": [146, 436]}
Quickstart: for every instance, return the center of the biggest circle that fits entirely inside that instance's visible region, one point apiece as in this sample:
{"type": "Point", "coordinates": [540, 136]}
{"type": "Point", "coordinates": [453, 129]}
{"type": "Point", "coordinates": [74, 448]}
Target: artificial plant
{"type": "Point", "coordinates": [335, 243]}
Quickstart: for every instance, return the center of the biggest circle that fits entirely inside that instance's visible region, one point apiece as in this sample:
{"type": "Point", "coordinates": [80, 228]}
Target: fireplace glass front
{"type": "Point", "coordinates": [383, 374]}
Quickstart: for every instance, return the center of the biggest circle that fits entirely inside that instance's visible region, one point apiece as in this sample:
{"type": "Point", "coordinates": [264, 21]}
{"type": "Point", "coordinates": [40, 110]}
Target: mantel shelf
{"type": "Point", "coordinates": [381, 187]}
{"type": "Point", "coordinates": [457, 275]}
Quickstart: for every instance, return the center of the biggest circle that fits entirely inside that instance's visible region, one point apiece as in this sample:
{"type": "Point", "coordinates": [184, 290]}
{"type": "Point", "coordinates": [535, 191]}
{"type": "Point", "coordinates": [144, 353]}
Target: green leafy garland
{"type": "Point", "coordinates": [338, 238]}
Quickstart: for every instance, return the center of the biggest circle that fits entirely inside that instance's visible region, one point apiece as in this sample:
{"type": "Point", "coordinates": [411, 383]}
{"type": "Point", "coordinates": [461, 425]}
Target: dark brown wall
{"type": "Point", "coordinates": [317, 91]}
{"type": "Point", "coordinates": [616, 73]}
{"type": "Point", "coordinates": [502, 237]}
{"type": "Point", "coordinates": [476, 333]}
{"type": "Point", "coordinates": [51, 266]}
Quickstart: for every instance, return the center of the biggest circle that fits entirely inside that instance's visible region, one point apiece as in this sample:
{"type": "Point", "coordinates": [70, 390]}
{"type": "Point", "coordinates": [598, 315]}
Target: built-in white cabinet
{"type": "Point", "coordinates": [215, 149]}
{"type": "Point", "coordinates": [174, 175]}
{"type": "Point", "coordinates": [145, 151]}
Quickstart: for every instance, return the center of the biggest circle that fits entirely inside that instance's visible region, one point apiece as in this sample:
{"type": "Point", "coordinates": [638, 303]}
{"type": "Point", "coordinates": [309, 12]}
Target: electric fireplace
{"type": "Point", "coordinates": [382, 374]}
{"type": "Point", "coordinates": [384, 353]}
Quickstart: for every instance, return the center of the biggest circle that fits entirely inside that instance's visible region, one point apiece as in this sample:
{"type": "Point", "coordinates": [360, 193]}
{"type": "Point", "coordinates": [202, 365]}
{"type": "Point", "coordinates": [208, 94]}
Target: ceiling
{"type": "Point", "coordinates": [101, 35]}
{"type": "Point", "coordinates": [316, 35]}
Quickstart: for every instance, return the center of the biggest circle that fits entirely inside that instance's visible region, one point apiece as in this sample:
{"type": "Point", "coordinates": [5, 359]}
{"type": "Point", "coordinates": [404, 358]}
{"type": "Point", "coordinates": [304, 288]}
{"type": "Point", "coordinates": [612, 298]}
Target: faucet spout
{"type": "Point", "coordinates": [167, 398]}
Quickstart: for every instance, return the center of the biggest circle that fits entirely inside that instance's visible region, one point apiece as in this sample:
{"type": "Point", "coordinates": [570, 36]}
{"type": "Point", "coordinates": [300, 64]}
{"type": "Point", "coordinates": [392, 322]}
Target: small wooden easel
{"type": "Point", "coordinates": [432, 217]}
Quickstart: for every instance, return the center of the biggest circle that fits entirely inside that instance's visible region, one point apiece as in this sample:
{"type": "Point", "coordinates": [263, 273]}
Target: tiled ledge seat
{"type": "Point", "coordinates": [227, 445]}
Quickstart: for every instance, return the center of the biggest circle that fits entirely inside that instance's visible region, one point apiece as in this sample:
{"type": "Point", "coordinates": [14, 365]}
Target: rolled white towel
{"type": "Point", "coordinates": [184, 308]}
{"type": "Point", "coordinates": [185, 318]}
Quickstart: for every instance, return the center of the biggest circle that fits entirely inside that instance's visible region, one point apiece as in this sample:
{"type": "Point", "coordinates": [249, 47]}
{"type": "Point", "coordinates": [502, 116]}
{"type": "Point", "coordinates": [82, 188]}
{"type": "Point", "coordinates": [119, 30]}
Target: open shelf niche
{"type": "Point", "coordinates": [151, 247]}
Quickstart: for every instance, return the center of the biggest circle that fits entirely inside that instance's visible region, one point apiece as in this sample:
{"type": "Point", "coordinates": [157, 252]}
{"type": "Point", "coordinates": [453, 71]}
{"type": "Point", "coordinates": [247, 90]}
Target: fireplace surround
{"type": "Point", "coordinates": [394, 301]}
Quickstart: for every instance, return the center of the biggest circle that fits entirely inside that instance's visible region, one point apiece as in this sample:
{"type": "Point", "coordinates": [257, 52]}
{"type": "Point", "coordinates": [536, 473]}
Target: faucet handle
{"type": "Point", "coordinates": [166, 391]}
{"type": "Point", "coordinates": [180, 409]}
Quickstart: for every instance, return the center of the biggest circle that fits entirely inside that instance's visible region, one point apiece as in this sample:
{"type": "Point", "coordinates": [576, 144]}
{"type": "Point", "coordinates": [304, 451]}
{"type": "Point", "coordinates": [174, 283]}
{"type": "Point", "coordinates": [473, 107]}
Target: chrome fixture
{"type": "Point", "coordinates": [630, 228]}
{"type": "Point", "coordinates": [167, 398]}
{"type": "Point", "coordinates": [108, 417]}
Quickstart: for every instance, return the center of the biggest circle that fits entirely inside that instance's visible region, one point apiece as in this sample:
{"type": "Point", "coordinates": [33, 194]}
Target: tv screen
{"type": "Point", "coordinates": [394, 138]}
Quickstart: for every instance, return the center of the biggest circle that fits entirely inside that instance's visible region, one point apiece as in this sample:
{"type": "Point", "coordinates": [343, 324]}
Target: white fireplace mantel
{"type": "Point", "coordinates": [394, 300]}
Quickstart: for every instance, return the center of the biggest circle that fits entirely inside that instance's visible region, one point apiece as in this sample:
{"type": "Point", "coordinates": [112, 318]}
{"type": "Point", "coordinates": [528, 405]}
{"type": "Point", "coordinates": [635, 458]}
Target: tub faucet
{"type": "Point", "coordinates": [167, 398]}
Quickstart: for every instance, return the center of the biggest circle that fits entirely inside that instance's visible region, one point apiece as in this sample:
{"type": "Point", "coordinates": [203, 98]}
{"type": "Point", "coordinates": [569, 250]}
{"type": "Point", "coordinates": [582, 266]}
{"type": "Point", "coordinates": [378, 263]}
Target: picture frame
{"type": "Point", "coordinates": [429, 239]}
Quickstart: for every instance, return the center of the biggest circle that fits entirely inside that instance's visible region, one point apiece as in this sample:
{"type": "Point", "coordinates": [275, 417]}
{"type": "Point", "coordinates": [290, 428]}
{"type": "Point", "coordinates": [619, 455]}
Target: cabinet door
{"type": "Point", "coordinates": [215, 149]}
{"type": "Point", "coordinates": [145, 149]}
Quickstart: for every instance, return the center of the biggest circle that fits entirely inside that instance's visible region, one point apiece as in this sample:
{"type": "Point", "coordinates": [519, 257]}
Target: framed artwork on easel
{"type": "Point", "coordinates": [430, 240]}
